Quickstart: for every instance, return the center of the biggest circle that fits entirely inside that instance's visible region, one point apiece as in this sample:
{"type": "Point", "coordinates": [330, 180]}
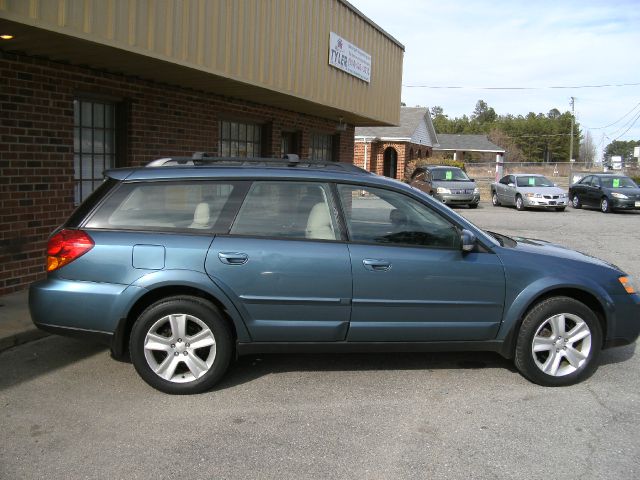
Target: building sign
{"type": "Point", "coordinates": [349, 58]}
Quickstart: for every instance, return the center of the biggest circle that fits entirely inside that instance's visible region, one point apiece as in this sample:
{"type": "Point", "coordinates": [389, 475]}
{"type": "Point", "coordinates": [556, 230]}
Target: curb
{"type": "Point", "coordinates": [21, 338]}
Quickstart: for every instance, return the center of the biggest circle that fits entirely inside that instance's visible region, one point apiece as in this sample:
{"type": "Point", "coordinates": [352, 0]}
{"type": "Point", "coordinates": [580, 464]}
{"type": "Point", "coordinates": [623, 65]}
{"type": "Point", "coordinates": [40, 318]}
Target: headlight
{"type": "Point", "coordinates": [628, 284]}
{"type": "Point", "coordinates": [534, 195]}
{"type": "Point", "coordinates": [442, 190]}
{"type": "Point", "coordinates": [618, 195]}
{"type": "Point", "coordinates": [476, 190]}
{"type": "Point", "coordinates": [564, 195]}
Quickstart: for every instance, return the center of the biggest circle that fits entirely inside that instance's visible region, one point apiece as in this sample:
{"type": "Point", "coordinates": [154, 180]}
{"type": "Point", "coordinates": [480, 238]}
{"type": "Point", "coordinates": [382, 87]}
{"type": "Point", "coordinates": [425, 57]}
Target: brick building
{"type": "Point", "coordinates": [387, 150]}
{"type": "Point", "coordinates": [86, 86]}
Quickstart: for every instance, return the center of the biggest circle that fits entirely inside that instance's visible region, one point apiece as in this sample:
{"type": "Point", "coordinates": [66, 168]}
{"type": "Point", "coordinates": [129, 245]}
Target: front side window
{"type": "Point", "coordinates": [381, 216]}
{"type": "Point", "coordinates": [321, 147]}
{"type": "Point", "coordinates": [238, 139]}
{"type": "Point", "coordinates": [288, 210]}
{"type": "Point", "coordinates": [94, 144]}
{"type": "Point", "coordinates": [160, 205]}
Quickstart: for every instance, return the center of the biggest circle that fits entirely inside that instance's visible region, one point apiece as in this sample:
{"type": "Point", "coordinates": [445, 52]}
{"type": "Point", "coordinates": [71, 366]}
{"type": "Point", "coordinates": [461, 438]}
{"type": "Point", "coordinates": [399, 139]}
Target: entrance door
{"type": "Point", "coordinates": [390, 165]}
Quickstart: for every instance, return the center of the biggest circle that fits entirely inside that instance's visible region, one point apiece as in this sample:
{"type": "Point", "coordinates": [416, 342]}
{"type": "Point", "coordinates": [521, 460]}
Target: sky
{"type": "Point", "coordinates": [536, 44]}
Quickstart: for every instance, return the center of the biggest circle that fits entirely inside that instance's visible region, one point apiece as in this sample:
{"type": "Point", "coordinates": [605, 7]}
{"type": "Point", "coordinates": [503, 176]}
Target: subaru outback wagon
{"type": "Point", "coordinates": [186, 265]}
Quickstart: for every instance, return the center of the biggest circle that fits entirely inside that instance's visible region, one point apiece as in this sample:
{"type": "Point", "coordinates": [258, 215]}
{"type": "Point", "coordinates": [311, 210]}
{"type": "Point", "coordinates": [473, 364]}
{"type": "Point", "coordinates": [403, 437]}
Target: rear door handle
{"type": "Point", "coordinates": [376, 265]}
{"type": "Point", "coordinates": [233, 258]}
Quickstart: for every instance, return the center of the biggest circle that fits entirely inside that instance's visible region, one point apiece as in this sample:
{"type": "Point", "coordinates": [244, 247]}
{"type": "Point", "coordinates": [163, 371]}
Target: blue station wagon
{"type": "Point", "coordinates": [184, 264]}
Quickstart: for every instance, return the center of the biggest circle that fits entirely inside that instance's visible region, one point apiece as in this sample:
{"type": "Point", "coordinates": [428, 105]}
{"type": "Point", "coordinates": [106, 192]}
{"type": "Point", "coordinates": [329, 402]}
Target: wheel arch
{"type": "Point", "coordinates": [120, 341]}
{"type": "Point", "coordinates": [583, 296]}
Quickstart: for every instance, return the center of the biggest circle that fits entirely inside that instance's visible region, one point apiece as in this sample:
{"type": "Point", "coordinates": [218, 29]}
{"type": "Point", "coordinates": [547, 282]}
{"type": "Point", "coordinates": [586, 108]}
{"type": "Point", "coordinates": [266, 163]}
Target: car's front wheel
{"type": "Point", "coordinates": [575, 201]}
{"type": "Point", "coordinates": [519, 203]}
{"type": "Point", "coordinates": [181, 345]}
{"type": "Point", "coordinates": [605, 206]}
{"type": "Point", "coordinates": [558, 343]}
{"type": "Point", "coordinates": [494, 199]}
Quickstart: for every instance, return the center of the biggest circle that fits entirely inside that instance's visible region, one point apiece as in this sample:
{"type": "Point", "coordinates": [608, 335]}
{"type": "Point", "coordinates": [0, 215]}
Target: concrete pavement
{"type": "Point", "coordinates": [16, 326]}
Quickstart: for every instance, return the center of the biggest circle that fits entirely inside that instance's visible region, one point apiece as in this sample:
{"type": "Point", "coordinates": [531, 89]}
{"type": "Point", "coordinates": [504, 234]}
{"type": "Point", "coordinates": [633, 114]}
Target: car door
{"type": "Point", "coordinates": [411, 281]}
{"type": "Point", "coordinates": [282, 266]}
{"type": "Point", "coordinates": [504, 190]}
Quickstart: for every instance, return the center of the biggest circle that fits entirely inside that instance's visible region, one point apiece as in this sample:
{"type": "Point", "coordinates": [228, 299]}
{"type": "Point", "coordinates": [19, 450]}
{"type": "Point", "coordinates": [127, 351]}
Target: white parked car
{"type": "Point", "coordinates": [525, 190]}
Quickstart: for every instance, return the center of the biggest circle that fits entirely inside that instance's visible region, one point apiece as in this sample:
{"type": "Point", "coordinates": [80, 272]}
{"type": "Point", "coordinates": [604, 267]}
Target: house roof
{"type": "Point", "coordinates": [415, 126]}
{"type": "Point", "coordinates": [466, 143]}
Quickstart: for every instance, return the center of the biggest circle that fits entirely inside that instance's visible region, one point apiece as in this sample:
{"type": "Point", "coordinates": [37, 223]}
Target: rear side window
{"type": "Point", "coordinates": [288, 210]}
{"type": "Point", "coordinates": [167, 206]}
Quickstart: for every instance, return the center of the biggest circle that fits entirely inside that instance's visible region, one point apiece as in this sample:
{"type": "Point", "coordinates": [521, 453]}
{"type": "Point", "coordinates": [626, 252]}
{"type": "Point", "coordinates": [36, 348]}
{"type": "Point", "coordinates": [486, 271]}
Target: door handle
{"type": "Point", "coordinates": [376, 265]}
{"type": "Point", "coordinates": [233, 258]}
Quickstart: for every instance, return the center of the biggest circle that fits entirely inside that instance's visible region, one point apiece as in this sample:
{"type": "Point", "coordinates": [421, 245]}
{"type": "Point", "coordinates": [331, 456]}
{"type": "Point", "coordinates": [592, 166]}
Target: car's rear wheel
{"type": "Point", "coordinates": [605, 206]}
{"type": "Point", "coordinates": [575, 201]}
{"type": "Point", "coordinates": [181, 345]}
{"type": "Point", "coordinates": [519, 203]}
{"type": "Point", "coordinates": [558, 343]}
{"type": "Point", "coordinates": [494, 199]}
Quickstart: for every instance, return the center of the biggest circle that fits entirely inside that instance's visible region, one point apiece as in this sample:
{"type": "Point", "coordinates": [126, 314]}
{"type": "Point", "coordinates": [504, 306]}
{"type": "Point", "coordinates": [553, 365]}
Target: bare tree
{"type": "Point", "coordinates": [587, 150]}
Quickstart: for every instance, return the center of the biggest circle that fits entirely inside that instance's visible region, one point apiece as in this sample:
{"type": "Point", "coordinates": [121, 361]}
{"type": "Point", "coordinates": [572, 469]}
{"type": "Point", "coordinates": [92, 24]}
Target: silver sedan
{"type": "Point", "coordinates": [528, 191]}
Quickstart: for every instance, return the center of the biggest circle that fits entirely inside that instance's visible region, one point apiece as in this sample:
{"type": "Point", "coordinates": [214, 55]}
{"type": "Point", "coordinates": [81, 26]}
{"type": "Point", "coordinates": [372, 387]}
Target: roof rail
{"type": "Point", "coordinates": [199, 159]}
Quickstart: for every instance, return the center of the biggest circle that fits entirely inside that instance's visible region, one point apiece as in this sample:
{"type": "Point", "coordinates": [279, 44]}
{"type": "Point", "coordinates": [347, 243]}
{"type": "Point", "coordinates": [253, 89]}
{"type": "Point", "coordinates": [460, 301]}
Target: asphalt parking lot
{"type": "Point", "coordinates": [69, 411]}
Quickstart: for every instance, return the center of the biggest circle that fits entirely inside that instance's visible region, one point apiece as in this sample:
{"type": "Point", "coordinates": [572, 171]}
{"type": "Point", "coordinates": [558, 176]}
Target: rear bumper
{"type": "Point", "coordinates": [75, 308]}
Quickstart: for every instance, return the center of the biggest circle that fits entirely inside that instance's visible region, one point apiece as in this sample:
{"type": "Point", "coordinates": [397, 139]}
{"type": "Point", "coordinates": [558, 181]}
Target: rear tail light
{"type": "Point", "coordinates": [65, 246]}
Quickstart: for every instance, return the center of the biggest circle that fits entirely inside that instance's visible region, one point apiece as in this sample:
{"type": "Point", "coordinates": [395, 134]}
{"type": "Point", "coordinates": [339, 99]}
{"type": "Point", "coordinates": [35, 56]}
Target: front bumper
{"type": "Point", "coordinates": [625, 204]}
{"type": "Point", "coordinates": [531, 202]}
{"type": "Point", "coordinates": [458, 199]}
{"type": "Point", "coordinates": [625, 327]}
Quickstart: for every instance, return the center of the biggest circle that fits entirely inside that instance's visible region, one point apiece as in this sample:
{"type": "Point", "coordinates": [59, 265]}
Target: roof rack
{"type": "Point", "coordinates": [199, 159]}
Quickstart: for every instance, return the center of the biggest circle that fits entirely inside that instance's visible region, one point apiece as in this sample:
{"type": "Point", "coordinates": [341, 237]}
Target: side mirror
{"type": "Point", "coordinates": [468, 240]}
{"type": "Point", "coordinates": [471, 180]}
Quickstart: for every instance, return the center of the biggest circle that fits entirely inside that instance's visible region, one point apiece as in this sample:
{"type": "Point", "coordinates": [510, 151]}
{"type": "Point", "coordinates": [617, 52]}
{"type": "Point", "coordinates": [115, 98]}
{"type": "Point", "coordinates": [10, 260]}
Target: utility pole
{"type": "Point", "coordinates": [573, 120]}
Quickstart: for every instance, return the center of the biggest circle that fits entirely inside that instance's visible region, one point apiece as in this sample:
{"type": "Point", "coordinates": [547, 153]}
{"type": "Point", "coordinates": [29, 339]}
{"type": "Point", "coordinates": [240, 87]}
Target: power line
{"type": "Point", "coordinates": [630, 127]}
{"type": "Point", "coordinates": [460, 87]}
{"type": "Point", "coordinates": [620, 119]}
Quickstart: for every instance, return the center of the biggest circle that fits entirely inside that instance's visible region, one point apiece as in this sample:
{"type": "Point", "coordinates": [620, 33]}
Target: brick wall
{"type": "Point", "coordinates": [36, 143]}
{"type": "Point", "coordinates": [375, 155]}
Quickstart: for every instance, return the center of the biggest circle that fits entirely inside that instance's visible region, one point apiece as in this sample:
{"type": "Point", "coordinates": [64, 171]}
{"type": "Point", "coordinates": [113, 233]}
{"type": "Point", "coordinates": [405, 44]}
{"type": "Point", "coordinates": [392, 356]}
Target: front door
{"type": "Point", "coordinates": [411, 281]}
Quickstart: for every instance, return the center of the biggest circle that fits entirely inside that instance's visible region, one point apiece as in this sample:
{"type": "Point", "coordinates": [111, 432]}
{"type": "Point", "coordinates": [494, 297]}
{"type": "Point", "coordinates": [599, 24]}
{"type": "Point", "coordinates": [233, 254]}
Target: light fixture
{"type": "Point", "coordinates": [6, 36]}
{"type": "Point", "coordinates": [341, 127]}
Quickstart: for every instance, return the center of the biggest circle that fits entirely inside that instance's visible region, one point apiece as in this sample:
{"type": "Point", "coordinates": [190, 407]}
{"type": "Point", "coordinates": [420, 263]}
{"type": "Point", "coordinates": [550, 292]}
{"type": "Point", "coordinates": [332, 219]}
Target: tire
{"type": "Point", "coordinates": [549, 325]}
{"type": "Point", "coordinates": [560, 209]}
{"type": "Point", "coordinates": [575, 201]}
{"type": "Point", "coordinates": [519, 203]}
{"type": "Point", "coordinates": [170, 326]}
{"type": "Point", "coordinates": [473, 205]}
{"type": "Point", "coordinates": [605, 206]}
{"type": "Point", "coordinates": [494, 199]}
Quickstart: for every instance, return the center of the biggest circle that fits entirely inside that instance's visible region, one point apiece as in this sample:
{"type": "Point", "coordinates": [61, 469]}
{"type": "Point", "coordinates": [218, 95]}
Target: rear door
{"type": "Point", "coordinates": [283, 265]}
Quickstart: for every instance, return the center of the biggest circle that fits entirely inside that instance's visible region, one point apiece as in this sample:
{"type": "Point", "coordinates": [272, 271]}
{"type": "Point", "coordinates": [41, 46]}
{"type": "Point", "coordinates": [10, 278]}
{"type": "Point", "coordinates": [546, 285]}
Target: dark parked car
{"type": "Point", "coordinates": [186, 265]}
{"type": "Point", "coordinates": [450, 185]}
{"type": "Point", "coordinates": [606, 191]}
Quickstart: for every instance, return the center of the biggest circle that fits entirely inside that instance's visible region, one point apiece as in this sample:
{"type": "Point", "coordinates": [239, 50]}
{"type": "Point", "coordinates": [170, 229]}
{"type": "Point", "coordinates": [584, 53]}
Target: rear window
{"type": "Point", "coordinates": [166, 206]}
{"type": "Point", "coordinates": [90, 203]}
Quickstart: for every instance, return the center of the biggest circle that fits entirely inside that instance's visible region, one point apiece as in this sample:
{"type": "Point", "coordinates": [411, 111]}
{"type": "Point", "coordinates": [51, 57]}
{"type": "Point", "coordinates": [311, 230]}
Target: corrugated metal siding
{"type": "Point", "coordinates": [282, 45]}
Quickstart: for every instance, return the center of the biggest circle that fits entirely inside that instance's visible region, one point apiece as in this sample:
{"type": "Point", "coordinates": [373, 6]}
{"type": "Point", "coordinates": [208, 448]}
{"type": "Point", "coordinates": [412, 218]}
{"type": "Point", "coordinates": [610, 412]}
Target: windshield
{"type": "Point", "coordinates": [534, 181]}
{"type": "Point", "coordinates": [452, 174]}
{"type": "Point", "coordinates": [617, 182]}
